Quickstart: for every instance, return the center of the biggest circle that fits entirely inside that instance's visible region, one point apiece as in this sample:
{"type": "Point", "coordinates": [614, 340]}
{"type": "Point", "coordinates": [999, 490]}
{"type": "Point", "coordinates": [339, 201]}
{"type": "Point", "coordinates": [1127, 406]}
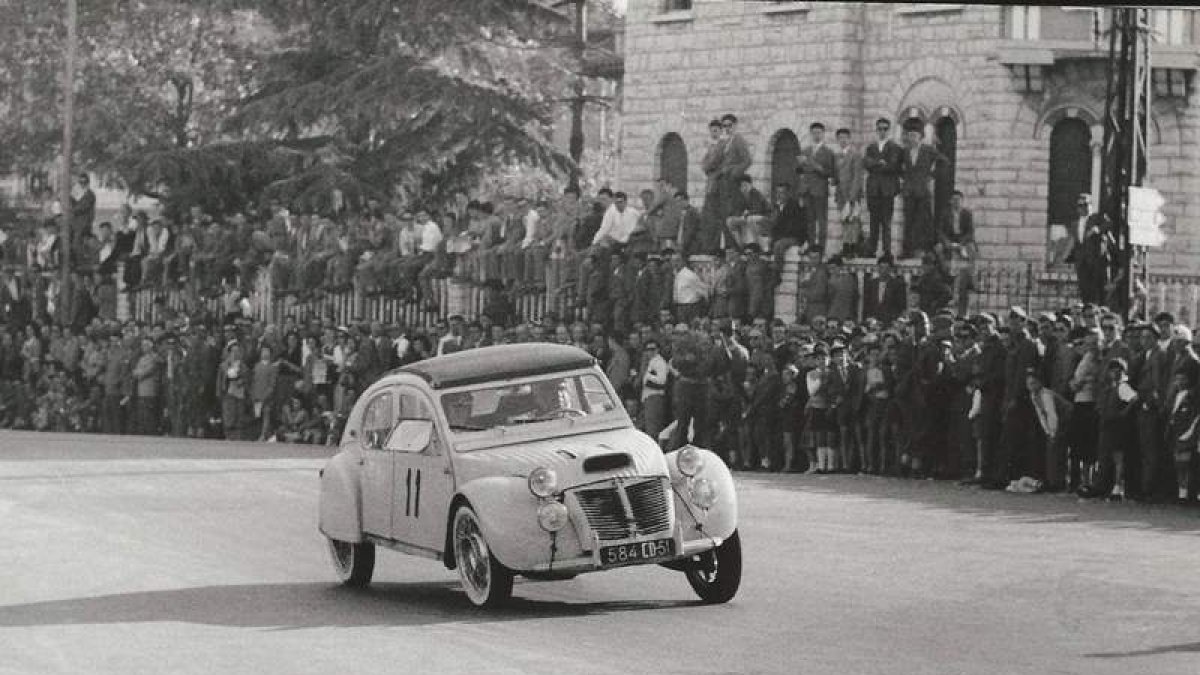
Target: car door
{"type": "Point", "coordinates": [378, 467]}
{"type": "Point", "coordinates": [424, 479]}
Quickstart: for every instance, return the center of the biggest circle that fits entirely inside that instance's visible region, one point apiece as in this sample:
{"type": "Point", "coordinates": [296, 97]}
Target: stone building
{"type": "Point", "coordinates": [1014, 95]}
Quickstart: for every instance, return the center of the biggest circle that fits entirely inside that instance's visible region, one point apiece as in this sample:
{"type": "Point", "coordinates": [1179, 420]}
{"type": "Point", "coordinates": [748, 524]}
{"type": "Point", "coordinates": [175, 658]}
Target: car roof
{"type": "Point", "coordinates": [501, 362]}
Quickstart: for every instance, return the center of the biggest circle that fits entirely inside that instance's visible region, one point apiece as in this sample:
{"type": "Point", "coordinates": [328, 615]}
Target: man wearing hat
{"type": "Point", "coordinates": [919, 162]}
{"type": "Point", "coordinates": [909, 402]}
{"type": "Point", "coordinates": [846, 391]}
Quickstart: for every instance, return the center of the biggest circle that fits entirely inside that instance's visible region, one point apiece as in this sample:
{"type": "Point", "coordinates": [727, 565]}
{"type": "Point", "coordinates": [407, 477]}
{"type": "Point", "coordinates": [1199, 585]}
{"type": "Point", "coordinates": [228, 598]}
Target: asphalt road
{"type": "Point", "coordinates": [123, 555]}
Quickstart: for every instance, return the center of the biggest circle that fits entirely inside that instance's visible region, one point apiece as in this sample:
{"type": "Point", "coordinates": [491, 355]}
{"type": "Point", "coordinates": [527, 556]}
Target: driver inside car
{"type": "Point", "coordinates": [458, 409]}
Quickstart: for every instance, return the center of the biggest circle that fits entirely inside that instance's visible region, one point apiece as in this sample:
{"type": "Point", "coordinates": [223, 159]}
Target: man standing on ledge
{"type": "Point", "coordinates": [882, 160]}
{"type": "Point", "coordinates": [920, 163]}
{"type": "Point", "coordinates": [816, 169]}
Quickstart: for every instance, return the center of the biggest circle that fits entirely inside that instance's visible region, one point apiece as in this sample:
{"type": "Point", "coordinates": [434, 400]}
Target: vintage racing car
{"type": "Point", "coordinates": [520, 459]}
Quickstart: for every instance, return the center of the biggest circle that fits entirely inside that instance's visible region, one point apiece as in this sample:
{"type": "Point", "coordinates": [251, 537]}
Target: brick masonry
{"type": "Point", "coordinates": [846, 64]}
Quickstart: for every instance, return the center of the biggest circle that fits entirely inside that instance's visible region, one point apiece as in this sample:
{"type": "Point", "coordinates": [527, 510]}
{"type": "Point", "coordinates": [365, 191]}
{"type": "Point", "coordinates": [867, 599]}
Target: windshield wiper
{"type": "Point", "coordinates": [467, 427]}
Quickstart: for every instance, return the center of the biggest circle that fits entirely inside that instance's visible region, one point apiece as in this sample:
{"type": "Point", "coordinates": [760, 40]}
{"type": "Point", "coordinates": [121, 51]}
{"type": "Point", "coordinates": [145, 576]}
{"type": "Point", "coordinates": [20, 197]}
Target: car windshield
{"type": "Point", "coordinates": [551, 398]}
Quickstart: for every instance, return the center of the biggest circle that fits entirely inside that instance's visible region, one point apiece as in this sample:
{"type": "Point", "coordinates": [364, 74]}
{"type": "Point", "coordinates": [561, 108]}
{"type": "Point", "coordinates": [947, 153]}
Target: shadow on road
{"type": "Point", "coordinates": [302, 605]}
{"type": "Point", "coordinates": [1155, 651]}
{"type": "Point", "coordinates": [1029, 508]}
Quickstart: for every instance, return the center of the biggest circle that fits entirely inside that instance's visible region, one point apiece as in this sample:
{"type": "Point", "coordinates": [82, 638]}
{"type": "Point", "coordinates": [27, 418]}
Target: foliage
{"type": "Point", "coordinates": [219, 102]}
{"type": "Point", "coordinates": [152, 75]}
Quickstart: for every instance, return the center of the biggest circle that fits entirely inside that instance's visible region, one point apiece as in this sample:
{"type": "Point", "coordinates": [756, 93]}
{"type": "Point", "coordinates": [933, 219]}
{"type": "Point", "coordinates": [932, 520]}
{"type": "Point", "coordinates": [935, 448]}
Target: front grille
{"type": "Point", "coordinates": [648, 504]}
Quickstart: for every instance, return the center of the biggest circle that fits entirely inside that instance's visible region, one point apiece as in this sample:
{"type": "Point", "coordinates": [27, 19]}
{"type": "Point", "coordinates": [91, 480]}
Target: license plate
{"type": "Point", "coordinates": [637, 552]}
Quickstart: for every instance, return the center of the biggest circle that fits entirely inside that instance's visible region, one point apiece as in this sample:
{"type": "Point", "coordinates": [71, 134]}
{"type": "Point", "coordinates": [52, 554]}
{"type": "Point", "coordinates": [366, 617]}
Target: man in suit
{"type": "Point", "coordinates": [789, 225]}
{"type": "Point", "coordinates": [687, 238]}
{"type": "Point", "coordinates": [713, 223]}
{"type": "Point", "coordinates": [1150, 370]}
{"type": "Point", "coordinates": [816, 168]}
{"type": "Point", "coordinates": [848, 196]}
{"type": "Point", "coordinates": [920, 161]}
{"type": "Point", "coordinates": [885, 295]}
{"type": "Point", "coordinates": [846, 388]}
{"type": "Point", "coordinates": [1091, 252]}
{"type": "Point", "coordinates": [735, 162]}
{"type": "Point", "coordinates": [882, 160]}
{"type": "Point", "coordinates": [958, 233]}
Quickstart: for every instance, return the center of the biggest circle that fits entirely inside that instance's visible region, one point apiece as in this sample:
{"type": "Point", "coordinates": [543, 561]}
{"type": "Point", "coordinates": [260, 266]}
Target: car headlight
{"type": "Point", "coordinates": [704, 493]}
{"type": "Point", "coordinates": [552, 516]}
{"type": "Point", "coordinates": [543, 482]}
{"type": "Point", "coordinates": [689, 461]}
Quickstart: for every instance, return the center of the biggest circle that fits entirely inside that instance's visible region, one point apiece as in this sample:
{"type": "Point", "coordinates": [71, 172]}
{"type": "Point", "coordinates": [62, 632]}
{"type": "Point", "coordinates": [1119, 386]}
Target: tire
{"type": "Point", "coordinates": [715, 575]}
{"type": "Point", "coordinates": [353, 563]}
{"type": "Point", "coordinates": [486, 582]}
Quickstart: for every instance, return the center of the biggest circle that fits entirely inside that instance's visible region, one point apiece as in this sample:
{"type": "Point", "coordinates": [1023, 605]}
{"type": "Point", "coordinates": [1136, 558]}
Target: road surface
{"type": "Point", "coordinates": [125, 555]}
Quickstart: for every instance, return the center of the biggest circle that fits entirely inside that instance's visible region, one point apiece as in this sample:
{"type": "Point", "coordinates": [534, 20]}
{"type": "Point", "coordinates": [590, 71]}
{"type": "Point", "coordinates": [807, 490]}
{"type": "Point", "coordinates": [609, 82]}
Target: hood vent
{"type": "Point", "coordinates": [607, 462]}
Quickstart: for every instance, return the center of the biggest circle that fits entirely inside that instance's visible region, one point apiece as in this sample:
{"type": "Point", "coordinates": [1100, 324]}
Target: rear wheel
{"type": "Point", "coordinates": [353, 563]}
{"type": "Point", "coordinates": [487, 582]}
{"type": "Point", "coordinates": [715, 575]}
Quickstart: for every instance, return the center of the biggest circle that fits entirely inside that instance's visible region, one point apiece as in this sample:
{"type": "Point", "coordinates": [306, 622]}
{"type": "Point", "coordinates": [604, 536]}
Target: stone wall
{"type": "Point", "coordinates": [783, 65]}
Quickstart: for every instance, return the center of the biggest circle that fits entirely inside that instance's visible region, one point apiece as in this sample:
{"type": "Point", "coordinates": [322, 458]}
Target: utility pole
{"type": "Point", "coordinates": [1126, 135]}
{"type": "Point", "coordinates": [577, 104]}
{"type": "Point", "coordinates": [66, 236]}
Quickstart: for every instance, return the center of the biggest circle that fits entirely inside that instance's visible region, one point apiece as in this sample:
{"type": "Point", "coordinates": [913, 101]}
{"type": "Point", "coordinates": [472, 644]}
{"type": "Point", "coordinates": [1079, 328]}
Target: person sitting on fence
{"type": "Point", "coordinates": [750, 211]}
{"type": "Point", "coordinates": [431, 245]}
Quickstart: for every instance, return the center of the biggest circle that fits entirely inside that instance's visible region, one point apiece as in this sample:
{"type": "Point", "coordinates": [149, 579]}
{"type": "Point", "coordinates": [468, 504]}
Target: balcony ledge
{"type": "Point", "coordinates": [678, 16]}
{"type": "Point", "coordinates": [1049, 52]}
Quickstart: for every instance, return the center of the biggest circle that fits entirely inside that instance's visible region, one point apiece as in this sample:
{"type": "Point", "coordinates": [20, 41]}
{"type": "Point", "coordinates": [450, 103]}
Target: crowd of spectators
{"type": "Point", "coordinates": [1070, 400]}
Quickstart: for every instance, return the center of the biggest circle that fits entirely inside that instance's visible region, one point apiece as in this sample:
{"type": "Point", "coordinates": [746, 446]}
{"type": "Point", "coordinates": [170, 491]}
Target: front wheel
{"type": "Point", "coordinates": [715, 575]}
{"type": "Point", "coordinates": [354, 563]}
{"type": "Point", "coordinates": [487, 582]}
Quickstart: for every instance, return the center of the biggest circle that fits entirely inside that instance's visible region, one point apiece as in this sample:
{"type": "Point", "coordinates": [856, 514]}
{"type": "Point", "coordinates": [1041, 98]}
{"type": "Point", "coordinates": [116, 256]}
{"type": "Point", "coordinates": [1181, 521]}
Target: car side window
{"type": "Point", "coordinates": [415, 408]}
{"type": "Point", "coordinates": [378, 420]}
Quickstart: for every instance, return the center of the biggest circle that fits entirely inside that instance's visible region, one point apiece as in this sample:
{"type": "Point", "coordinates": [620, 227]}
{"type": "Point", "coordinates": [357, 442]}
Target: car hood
{"type": "Point", "coordinates": [566, 456]}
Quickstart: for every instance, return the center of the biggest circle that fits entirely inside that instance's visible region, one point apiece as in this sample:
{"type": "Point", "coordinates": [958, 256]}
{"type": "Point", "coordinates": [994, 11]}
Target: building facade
{"type": "Point", "coordinates": [1013, 95]}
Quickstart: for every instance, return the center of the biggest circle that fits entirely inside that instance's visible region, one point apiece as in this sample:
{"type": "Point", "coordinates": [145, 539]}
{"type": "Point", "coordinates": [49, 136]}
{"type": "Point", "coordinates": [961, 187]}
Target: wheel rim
{"type": "Point", "coordinates": [342, 553]}
{"type": "Point", "coordinates": [705, 567]}
{"type": "Point", "coordinates": [473, 557]}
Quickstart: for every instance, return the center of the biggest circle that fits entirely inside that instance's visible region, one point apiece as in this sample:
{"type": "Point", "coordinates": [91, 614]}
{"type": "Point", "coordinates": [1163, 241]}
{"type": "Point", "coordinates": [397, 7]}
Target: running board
{"type": "Point", "coordinates": [410, 549]}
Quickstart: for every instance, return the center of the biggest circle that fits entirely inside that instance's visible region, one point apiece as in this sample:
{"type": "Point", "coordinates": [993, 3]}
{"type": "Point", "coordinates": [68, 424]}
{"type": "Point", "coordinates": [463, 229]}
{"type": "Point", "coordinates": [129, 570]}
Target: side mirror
{"type": "Point", "coordinates": [410, 436]}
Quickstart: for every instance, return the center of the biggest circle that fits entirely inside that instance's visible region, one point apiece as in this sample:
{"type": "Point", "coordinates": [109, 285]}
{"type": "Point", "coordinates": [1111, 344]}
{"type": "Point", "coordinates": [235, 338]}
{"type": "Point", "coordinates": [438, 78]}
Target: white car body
{"type": "Point", "coordinates": [616, 484]}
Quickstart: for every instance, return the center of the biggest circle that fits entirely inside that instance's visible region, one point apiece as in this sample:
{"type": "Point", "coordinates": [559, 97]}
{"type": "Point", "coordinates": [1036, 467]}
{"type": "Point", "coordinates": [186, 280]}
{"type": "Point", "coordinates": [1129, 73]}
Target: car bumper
{"type": "Point", "coordinates": [591, 561]}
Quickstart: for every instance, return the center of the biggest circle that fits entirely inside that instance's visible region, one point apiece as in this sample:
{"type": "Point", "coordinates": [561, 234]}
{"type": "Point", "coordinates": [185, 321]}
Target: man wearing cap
{"type": "Point", "coordinates": [735, 162]}
{"type": "Point", "coordinates": [909, 403]}
{"type": "Point", "coordinates": [920, 162]}
{"type": "Point", "coordinates": [846, 393]}
{"type": "Point", "coordinates": [990, 372]}
{"type": "Point", "coordinates": [146, 377]}
{"type": "Point", "coordinates": [816, 167]}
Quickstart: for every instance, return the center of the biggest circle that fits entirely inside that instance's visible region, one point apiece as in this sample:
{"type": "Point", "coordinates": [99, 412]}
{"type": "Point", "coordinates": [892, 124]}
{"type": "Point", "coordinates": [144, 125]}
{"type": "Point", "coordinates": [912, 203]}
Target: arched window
{"type": "Point", "coordinates": [1070, 170]}
{"type": "Point", "coordinates": [673, 161]}
{"type": "Point", "coordinates": [785, 148]}
{"type": "Point", "coordinates": [945, 132]}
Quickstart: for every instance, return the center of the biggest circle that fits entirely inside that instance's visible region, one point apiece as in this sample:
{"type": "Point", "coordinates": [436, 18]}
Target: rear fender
{"type": "Point", "coordinates": [719, 521]}
{"type": "Point", "coordinates": [340, 514]}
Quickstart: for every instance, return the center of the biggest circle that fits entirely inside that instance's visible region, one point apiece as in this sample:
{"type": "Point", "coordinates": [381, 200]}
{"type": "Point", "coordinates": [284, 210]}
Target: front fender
{"type": "Point", "coordinates": [340, 511]}
{"type": "Point", "coordinates": [720, 520]}
{"type": "Point", "coordinates": [507, 512]}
